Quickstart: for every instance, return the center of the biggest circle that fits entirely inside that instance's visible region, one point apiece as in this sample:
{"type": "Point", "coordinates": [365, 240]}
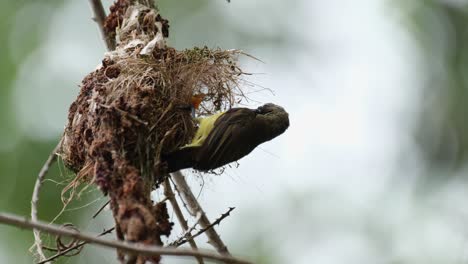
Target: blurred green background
{"type": "Point", "coordinates": [372, 170]}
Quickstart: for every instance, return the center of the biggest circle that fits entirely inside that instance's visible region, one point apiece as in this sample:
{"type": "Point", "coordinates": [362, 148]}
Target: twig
{"type": "Point", "coordinates": [194, 207]}
{"type": "Point", "coordinates": [184, 240]}
{"type": "Point", "coordinates": [187, 233]}
{"type": "Point", "coordinates": [99, 17]}
{"type": "Point", "coordinates": [136, 248]}
{"type": "Point", "coordinates": [100, 209]}
{"type": "Point", "coordinates": [35, 198]}
{"type": "Point", "coordinates": [76, 246]}
{"type": "Point", "coordinates": [180, 216]}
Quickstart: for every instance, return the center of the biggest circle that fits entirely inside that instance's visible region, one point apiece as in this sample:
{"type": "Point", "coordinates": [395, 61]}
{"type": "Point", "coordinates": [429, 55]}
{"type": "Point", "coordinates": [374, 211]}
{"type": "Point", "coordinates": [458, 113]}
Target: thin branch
{"type": "Point", "coordinates": [35, 198]}
{"type": "Point", "coordinates": [194, 208]}
{"type": "Point", "coordinates": [136, 248]}
{"type": "Point", "coordinates": [187, 233]}
{"type": "Point", "coordinates": [180, 216]}
{"type": "Point", "coordinates": [184, 239]}
{"type": "Point", "coordinates": [99, 17]}
{"type": "Point", "coordinates": [76, 246]}
{"type": "Point", "coordinates": [100, 209]}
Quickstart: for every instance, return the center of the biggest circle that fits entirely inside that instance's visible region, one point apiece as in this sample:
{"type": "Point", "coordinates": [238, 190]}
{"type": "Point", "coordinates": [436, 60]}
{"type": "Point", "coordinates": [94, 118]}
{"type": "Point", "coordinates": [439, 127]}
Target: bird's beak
{"type": "Point", "coordinates": [192, 109]}
{"type": "Point", "coordinates": [195, 102]}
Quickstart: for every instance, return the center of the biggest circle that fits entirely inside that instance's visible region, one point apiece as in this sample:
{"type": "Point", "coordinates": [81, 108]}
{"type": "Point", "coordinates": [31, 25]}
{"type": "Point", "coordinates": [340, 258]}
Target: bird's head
{"type": "Point", "coordinates": [276, 117]}
{"type": "Point", "coordinates": [269, 109]}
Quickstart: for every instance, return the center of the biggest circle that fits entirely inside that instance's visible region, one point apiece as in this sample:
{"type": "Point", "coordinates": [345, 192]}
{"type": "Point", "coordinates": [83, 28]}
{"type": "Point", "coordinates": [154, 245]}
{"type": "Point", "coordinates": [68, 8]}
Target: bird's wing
{"type": "Point", "coordinates": [229, 139]}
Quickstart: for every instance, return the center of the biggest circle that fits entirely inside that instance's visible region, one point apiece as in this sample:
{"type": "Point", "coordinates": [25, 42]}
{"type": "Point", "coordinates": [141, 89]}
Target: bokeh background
{"type": "Point", "coordinates": [372, 170]}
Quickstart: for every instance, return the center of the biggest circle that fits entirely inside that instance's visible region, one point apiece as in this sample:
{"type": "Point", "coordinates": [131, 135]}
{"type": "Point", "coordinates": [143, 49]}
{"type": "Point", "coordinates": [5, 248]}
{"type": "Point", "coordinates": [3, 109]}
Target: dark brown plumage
{"type": "Point", "coordinates": [234, 135]}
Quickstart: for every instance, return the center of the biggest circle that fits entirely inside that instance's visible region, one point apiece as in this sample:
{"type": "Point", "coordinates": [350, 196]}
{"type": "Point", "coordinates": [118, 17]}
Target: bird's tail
{"type": "Point", "coordinates": [180, 159]}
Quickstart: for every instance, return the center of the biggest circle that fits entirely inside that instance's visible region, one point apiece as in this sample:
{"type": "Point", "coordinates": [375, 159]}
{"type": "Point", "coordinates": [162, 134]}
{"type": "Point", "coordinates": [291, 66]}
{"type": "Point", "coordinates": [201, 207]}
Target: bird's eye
{"type": "Point", "coordinates": [263, 111]}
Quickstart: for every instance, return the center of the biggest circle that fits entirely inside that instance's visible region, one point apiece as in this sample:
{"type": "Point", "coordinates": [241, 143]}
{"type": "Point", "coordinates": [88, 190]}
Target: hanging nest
{"type": "Point", "coordinates": [135, 107]}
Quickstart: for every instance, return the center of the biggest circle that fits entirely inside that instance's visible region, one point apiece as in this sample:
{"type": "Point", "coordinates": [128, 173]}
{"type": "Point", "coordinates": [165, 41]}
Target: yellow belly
{"type": "Point", "coordinates": [204, 129]}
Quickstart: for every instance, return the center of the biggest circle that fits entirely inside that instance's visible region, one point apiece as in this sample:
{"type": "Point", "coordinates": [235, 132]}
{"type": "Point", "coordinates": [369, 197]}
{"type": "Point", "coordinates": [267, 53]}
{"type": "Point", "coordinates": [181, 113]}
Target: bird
{"type": "Point", "coordinates": [228, 136]}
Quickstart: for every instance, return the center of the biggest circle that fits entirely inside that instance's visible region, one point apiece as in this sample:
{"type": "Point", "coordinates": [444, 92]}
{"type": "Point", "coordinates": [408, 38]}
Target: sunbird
{"type": "Point", "coordinates": [228, 136]}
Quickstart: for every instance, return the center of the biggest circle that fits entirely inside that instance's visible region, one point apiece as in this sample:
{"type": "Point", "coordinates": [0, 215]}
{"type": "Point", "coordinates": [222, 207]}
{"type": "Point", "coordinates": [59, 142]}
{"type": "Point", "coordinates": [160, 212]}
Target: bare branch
{"type": "Point", "coordinates": [35, 198]}
{"type": "Point", "coordinates": [194, 208]}
{"type": "Point", "coordinates": [100, 209]}
{"type": "Point", "coordinates": [187, 233]}
{"type": "Point", "coordinates": [136, 248]}
{"type": "Point", "coordinates": [99, 17]}
{"type": "Point", "coordinates": [184, 239]}
{"type": "Point", "coordinates": [76, 246]}
{"type": "Point", "coordinates": [180, 216]}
